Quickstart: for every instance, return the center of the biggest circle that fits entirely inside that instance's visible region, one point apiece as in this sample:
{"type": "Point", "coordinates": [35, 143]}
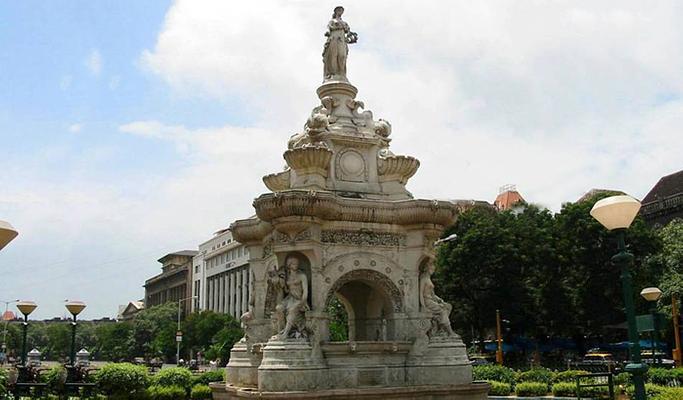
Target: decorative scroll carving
{"type": "Point", "coordinates": [376, 278]}
{"type": "Point", "coordinates": [363, 238]}
{"type": "Point", "coordinates": [268, 249]}
{"type": "Point", "coordinates": [283, 237]}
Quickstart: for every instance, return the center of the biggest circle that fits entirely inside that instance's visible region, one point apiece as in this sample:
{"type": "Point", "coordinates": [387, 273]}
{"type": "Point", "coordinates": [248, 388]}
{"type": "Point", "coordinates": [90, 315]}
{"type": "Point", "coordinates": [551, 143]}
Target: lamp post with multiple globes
{"type": "Point", "coordinates": [617, 213]}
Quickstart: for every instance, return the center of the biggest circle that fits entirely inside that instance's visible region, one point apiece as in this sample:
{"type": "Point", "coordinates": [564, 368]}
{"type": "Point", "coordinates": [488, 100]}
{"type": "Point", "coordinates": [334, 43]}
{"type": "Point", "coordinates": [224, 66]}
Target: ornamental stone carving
{"type": "Point", "coordinates": [397, 168]}
{"type": "Point", "coordinates": [377, 278]}
{"type": "Point", "coordinates": [309, 159]}
{"type": "Point", "coordinates": [362, 238]}
{"type": "Point", "coordinates": [278, 181]}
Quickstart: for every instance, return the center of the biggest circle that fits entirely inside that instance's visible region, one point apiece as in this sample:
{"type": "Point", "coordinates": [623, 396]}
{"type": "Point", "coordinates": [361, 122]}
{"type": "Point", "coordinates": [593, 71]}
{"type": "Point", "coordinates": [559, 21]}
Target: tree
{"type": "Point", "coordinates": [548, 274]}
{"type": "Point", "coordinates": [670, 260]}
{"type": "Point", "coordinates": [154, 331]}
{"type": "Point", "coordinates": [211, 333]}
{"type": "Point", "coordinates": [114, 342]}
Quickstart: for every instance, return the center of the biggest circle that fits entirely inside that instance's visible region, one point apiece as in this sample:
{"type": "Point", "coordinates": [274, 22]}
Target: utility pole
{"type": "Point", "coordinates": [677, 330]}
{"type": "Point", "coordinates": [499, 337]}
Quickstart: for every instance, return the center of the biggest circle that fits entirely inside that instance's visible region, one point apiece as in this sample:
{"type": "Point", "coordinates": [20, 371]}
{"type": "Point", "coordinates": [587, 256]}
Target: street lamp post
{"type": "Point", "coordinates": [26, 308]}
{"type": "Point", "coordinates": [617, 213]}
{"type": "Point", "coordinates": [74, 307]}
{"type": "Point", "coordinates": [3, 348]}
{"type": "Point", "coordinates": [652, 294]}
{"type": "Point", "coordinates": [179, 334]}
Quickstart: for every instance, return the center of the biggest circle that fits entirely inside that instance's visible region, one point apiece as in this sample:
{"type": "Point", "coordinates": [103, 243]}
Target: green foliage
{"type": "Point", "coordinates": [55, 378]}
{"type": "Point", "coordinates": [651, 390]}
{"type": "Point", "coordinates": [665, 376]}
{"type": "Point", "coordinates": [669, 393]}
{"type": "Point", "coordinates": [122, 379]}
{"type": "Point", "coordinates": [176, 376]}
{"type": "Point", "coordinates": [496, 373]}
{"type": "Point", "coordinates": [154, 331]}
{"type": "Point", "coordinates": [564, 389]}
{"type": "Point", "coordinates": [557, 269]}
{"type": "Point", "coordinates": [568, 376]}
{"type": "Point", "coordinates": [536, 375]}
{"type": "Point", "coordinates": [339, 321]}
{"type": "Point", "coordinates": [4, 375]}
{"type": "Point", "coordinates": [158, 392]}
{"type": "Point", "coordinates": [531, 389]}
{"type": "Point", "coordinates": [499, 388]}
{"type": "Point", "coordinates": [200, 392]}
{"type": "Point", "coordinates": [622, 379]}
{"type": "Point", "coordinates": [670, 260]}
{"type": "Point", "coordinates": [209, 376]}
{"type": "Point", "coordinates": [114, 341]}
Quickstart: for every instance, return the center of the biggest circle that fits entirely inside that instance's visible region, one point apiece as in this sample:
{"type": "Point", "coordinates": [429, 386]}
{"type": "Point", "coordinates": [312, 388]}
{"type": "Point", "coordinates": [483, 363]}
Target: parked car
{"type": "Point", "coordinates": [660, 360]}
{"type": "Point", "coordinates": [599, 362]}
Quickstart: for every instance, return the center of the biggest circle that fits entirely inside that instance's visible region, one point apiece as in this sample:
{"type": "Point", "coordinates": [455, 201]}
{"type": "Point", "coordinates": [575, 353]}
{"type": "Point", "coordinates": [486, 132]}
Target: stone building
{"type": "Point", "coordinates": [173, 283]}
{"type": "Point", "coordinates": [664, 201]}
{"type": "Point", "coordinates": [221, 275]}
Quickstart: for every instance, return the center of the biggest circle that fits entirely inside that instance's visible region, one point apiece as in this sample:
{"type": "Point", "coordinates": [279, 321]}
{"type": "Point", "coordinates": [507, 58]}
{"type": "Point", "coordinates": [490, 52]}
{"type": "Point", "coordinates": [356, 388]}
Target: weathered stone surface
{"type": "Point", "coordinates": [341, 210]}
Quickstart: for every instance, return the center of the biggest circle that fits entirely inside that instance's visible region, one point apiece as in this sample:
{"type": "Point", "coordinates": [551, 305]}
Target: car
{"type": "Point", "coordinates": [660, 360]}
{"type": "Point", "coordinates": [598, 362]}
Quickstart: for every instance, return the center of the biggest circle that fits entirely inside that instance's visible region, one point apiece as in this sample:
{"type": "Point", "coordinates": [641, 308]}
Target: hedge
{"type": "Point", "coordinates": [496, 373]}
{"type": "Point", "coordinates": [568, 376]}
{"type": "Point", "coordinates": [158, 392]}
{"type": "Point", "coordinates": [669, 393]}
{"type": "Point", "coordinates": [536, 375]}
{"type": "Point", "coordinates": [176, 376]}
{"type": "Point", "coordinates": [55, 378]}
{"type": "Point", "coordinates": [208, 377]}
{"type": "Point", "coordinates": [531, 389]}
{"type": "Point", "coordinates": [500, 388]}
{"type": "Point", "coordinates": [665, 376]}
{"type": "Point", "coordinates": [4, 375]}
{"type": "Point", "coordinates": [201, 392]}
{"type": "Point", "coordinates": [122, 380]}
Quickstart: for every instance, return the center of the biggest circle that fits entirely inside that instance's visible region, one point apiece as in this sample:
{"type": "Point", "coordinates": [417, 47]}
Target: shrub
{"type": "Point", "coordinates": [661, 376]}
{"type": "Point", "coordinates": [669, 393]}
{"type": "Point", "coordinates": [496, 373]}
{"type": "Point", "coordinates": [564, 389]}
{"type": "Point", "coordinates": [531, 389]}
{"type": "Point", "coordinates": [650, 389]}
{"type": "Point", "coordinates": [200, 392]}
{"type": "Point", "coordinates": [536, 375]}
{"type": "Point", "coordinates": [500, 388]}
{"type": "Point", "coordinates": [568, 376]}
{"type": "Point", "coordinates": [4, 376]}
{"type": "Point", "coordinates": [122, 380]}
{"type": "Point", "coordinates": [595, 392]}
{"type": "Point", "coordinates": [157, 392]}
{"type": "Point", "coordinates": [209, 376]}
{"type": "Point", "coordinates": [622, 379]}
{"type": "Point", "coordinates": [176, 376]}
{"type": "Point", "coordinates": [55, 378]}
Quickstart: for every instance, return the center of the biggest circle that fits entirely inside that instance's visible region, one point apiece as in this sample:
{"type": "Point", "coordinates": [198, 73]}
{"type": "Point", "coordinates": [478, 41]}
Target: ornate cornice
{"type": "Point", "coordinates": [329, 207]}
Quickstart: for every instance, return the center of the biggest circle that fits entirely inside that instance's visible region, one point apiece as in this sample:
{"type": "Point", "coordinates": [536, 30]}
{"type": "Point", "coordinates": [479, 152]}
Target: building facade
{"type": "Point", "coordinates": [664, 201]}
{"type": "Point", "coordinates": [221, 276]}
{"type": "Point", "coordinates": [174, 282]}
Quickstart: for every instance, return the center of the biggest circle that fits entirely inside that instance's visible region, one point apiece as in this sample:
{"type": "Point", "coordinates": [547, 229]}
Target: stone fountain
{"type": "Point", "coordinates": [340, 225]}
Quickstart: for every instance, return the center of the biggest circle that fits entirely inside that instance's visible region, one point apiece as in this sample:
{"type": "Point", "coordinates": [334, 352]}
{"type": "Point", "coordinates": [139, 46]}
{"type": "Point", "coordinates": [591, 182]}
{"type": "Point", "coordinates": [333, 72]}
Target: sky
{"type": "Point", "coordinates": [132, 129]}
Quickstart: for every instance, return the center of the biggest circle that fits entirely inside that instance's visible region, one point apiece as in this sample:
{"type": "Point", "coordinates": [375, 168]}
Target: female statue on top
{"type": "Point", "coordinates": [336, 46]}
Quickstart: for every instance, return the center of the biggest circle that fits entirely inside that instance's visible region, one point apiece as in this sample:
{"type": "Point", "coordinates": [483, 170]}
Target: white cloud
{"type": "Point", "coordinates": [75, 128]}
{"type": "Point", "coordinates": [556, 97]}
{"type": "Point", "coordinates": [94, 62]}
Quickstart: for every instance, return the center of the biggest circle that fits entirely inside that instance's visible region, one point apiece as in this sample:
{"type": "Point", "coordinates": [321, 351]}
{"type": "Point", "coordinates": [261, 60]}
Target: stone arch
{"type": "Point", "coordinates": [367, 275]}
{"type": "Point", "coordinates": [371, 301]}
